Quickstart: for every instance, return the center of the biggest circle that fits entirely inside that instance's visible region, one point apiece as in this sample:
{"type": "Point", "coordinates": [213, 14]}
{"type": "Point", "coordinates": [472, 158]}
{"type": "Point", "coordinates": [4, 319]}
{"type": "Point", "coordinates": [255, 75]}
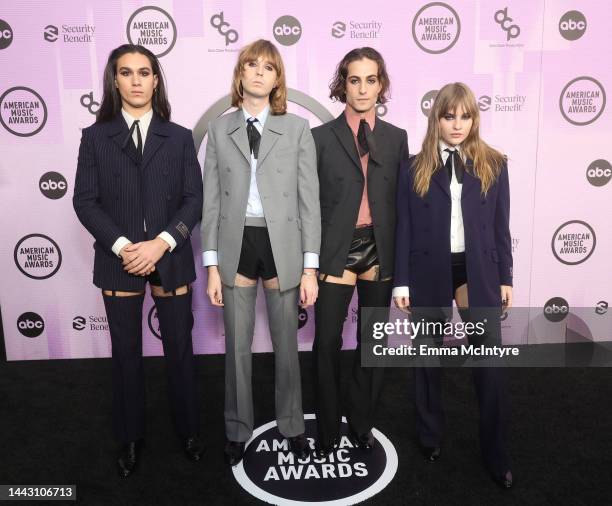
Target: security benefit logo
{"type": "Point", "coordinates": [153, 28]}
{"type": "Point", "coordinates": [23, 111]}
{"type": "Point", "coordinates": [582, 100]}
{"type": "Point", "coordinates": [573, 242]}
{"type": "Point", "coordinates": [30, 324]}
{"type": "Point", "coordinates": [436, 27]}
{"type": "Point", "coordinates": [37, 256]}
{"type": "Point", "coordinates": [270, 472]}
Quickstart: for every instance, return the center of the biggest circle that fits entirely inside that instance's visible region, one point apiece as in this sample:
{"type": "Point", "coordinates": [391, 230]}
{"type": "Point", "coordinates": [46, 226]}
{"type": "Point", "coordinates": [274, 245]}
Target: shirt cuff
{"type": "Point", "coordinates": [165, 236]}
{"type": "Point", "coordinates": [311, 260]}
{"type": "Point", "coordinates": [120, 243]}
{"type": "Point", "coordinates": [401, 291]}
{"type": "Point", "coordinates": [210, 258]}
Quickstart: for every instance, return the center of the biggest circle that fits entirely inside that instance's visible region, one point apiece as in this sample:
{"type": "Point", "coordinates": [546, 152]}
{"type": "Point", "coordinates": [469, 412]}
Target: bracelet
{"type": "Point", "coordinates": [308, 274]}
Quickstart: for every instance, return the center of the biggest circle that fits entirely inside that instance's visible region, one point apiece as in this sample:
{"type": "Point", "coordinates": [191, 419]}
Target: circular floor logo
{"type": "Point", "coordinates": [572, 25]}
{"type": "Point", "coordinates": [154, 322]}
{"type": "Point", "coordinates": [427, 102]}
{"type": "Point", "coordinates": [599, 172]}
{"type": "Point", "coordinates": [153, 28]}
{"type": "Point", "coordinates": [30, 324]}
{"type": "Point", "coordinates": [582, 100]}
{"type": "Point", "coordinates": [556, 309]}
{"type": "Point", "coordinates": [287, 30]}
{"type": "Point", "coordinates": [573, 242]}
{"type": "Point", "coordinates": [270, 472]}
{"type": "Point", "coordinates": [23, 111]}
{"type": "Point", "coordinates": [37, 256]}
{"type": "Point", "coordinates": [436, 27]}
{"type": "Point", "coordinates": [53, 185]}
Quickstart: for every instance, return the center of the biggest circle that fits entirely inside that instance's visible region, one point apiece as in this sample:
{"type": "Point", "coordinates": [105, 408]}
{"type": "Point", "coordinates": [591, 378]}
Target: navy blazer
{"type": "Point", "coordinates": [114, 196]}
{"type": "Point", "coordinates": [423, 257]}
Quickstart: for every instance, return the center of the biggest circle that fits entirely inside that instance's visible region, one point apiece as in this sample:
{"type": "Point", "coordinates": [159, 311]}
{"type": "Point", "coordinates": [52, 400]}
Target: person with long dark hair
{"type": "Point", "coordinates": [358, 157]}
{"type": "Point", "coordinates": [138, 191]}
{"type": "Point", "coordinates": [453, 242]}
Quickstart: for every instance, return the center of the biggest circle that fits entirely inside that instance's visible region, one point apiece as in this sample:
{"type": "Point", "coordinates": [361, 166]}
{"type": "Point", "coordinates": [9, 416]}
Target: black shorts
{"type": "Point", "coordinates": [458, 270]}
{"type": "Point", "coordinates": [256, 259]}
{"type": "Point", "coordinates": [362, 252]}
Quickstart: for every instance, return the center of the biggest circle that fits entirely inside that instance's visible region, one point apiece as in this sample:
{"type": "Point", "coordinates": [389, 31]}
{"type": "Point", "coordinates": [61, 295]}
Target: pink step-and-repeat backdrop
{"type": "Point", "coordinates": [540, 69]}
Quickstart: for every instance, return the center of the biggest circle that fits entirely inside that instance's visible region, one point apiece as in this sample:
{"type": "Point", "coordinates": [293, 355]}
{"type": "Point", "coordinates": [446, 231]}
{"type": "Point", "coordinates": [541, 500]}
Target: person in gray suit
{"type": "Point", "coordinates": [261, 218]}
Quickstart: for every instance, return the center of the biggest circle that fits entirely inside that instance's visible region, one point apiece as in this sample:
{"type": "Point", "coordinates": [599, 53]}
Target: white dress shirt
{"type": "Point", "coordinates": [143, 125]}
{"type": "Point", "coordinates": [457, 235]}
{"type": "Point", "coordinates": [254, 205]}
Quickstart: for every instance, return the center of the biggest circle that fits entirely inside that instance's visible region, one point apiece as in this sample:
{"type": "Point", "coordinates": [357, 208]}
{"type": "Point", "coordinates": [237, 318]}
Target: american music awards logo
{"type": "Point", "coordinates": [349, 475]}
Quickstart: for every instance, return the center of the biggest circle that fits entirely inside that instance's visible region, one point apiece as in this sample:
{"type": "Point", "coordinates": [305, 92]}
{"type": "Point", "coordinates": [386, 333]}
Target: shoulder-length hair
{"type": "Point", "coordinates": [337, 86]}
{"type": "Point", "coordinates": [111, 99]}
{"type": "Point", "coordinates": [268, 51]}
{"type": "Point", "coordinates": [487, 162]}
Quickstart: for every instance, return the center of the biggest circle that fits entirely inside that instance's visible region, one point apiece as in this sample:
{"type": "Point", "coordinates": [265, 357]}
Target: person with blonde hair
{"type": "Point", "coordinates": [261, 218]}
{"type": "Point", "coordinates": [453, 242]}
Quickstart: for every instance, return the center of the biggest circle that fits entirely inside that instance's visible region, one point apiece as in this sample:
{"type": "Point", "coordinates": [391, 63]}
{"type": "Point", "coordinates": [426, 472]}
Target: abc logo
{"type": "Point", "coordinates": [302, 317]}
{"type": "Point", "coordinates": [599, 172]}
{"type": "Point", "coordinates": [30, 324]}
{"type": "Point", "coordinates": [78, 323]}
{"type": "Point", "coordinates": [287, 30]}
{"type": "Point", "coordinates": [572, 25]}
{"type": "Point", "coordinates": [556, 309]}
{"type": "Point", "coordinates": [53, 185]}
{"type": "Point", "coordinates": [427, 101]}
{"type": "Point", "coordinates": [6, 34]}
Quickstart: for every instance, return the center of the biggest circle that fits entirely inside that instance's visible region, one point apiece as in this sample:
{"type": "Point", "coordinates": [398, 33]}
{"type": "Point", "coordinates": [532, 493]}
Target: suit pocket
{"type": "Point", "coordinates": [494, 256]}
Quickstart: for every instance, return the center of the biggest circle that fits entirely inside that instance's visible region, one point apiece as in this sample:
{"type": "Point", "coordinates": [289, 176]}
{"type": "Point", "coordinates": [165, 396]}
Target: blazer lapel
{"type": "Point", "coordinates": [156, 136]}
{"type": "Point", "coordinates": [273, 129]}
{"type": "Point", "coordinates": [237, 131]}
{"type": "Point", "coordinates": [119, 131]}
{"type": "Point", "coordinates": [470, 181]}
{"type": "Point", "coordinates": [441, 178]}
{"type": "Point", "coordinates": [345, 136]}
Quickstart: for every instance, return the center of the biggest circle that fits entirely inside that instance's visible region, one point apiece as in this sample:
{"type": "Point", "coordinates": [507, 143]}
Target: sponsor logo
{"type": "Point", "coordinates": [37, 256]}
{"type": "Point", "coordinates": [6, 34]}
{"type": "Point", "coordinates": [71, 34]}
{"type": "Point", "coordinates": [53, 185]}
{"type": "Point", "coordinates": [271, 472]}
{"type": "Point", "coordinates": [573, 242]}
{"type": "Point", "coordinates": [599, 172]}
{"type": "Point", "coordinates": [51, 33]}
{"type": "Point", "coordinates": [582, 101]}
{"type": "Point", "coordinates": [556, 309]}
{"type": "Point", "coordinates": [504, 21]}
{"type": "Point", "coordinates": [509, 103]}
{"type": "Point", "coordinates": [30, 324]}
{"type": "Point", "coordinates": [357, 29]}
{"type": "Point", "coordinates": [381, 110]}
{"type": "Point", "coordinates": [154, 322]}
{"type": "Point", "coordinates": [223, 27]}
{"type": "Point", "coordinates": [302, 317]}
{"type": "Point", "coordinates": [79, 323]}
{"type": "Point", "coordinates": [338, 29]}
{"type": "Point", "coordinates": [601, 307]}
{"type": "Point", "coordinates": [87, 101]}
{"type": "Point", "coordinates": [572, 25]}
{"type": "Point", "coordinates": [436, 27]}
{"type": "Point", "coordinates": [23, 111]}
{"type": "Point", "coordinates": [427, 102]}
{"type": "Point", "coordinates": [153, 28]}
{"type": "Point", "coordinates": [484, 103]}
{"type": "Point", "coordinates": [287, 30]}
{"type": "Point", "coordinates": [91, 322]}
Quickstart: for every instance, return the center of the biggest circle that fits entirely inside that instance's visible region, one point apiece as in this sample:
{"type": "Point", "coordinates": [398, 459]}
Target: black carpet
{"type": "Point", "coordinates": [55, 429]}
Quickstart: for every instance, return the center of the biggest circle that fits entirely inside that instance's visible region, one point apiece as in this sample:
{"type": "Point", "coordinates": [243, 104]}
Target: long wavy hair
{"type": "Point", "coordinates": [111, 99]}
{"type": "Point", "coordinates": [268, 51]}
{"type": "Point", "coordinates": [487, 161]}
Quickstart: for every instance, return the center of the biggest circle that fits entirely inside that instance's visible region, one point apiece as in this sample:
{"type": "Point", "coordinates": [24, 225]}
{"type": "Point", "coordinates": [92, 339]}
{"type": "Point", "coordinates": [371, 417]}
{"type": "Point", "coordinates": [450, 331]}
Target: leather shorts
{"type": "Point", "coordinates": [362, 252]}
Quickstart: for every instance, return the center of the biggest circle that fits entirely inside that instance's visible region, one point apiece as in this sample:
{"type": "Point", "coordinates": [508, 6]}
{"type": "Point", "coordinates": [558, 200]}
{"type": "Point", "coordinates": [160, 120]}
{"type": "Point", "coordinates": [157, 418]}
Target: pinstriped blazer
{"type": "Point", "coordinates": [114, 197]}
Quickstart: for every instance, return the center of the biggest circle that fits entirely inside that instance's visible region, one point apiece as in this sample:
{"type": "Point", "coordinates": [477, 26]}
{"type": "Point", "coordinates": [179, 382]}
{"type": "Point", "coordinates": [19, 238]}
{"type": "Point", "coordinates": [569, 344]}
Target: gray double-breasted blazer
{"type": "Point", "coordinates": [288, 185]}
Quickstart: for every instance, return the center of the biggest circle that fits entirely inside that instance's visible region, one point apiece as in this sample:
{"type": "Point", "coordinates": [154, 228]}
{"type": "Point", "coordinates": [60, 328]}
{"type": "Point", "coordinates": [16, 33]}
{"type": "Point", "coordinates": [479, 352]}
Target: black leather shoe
{"type": "Point", "coordinates": [299, 446]}
{"type": "Point", "coordinates": [234, 451]}
{"type": "Point", "coordinates": [431, 453]}
{"type": "Point", "coordinates": [363, 441]}
{"type": "Point", "coordinates": [321, 451]}
{"type": "Point", "coordinates": [194, 448]}
{"type": "Point", "coordinates": [506, 481]}
{"type": "Point", "coordinates": [128, 457]}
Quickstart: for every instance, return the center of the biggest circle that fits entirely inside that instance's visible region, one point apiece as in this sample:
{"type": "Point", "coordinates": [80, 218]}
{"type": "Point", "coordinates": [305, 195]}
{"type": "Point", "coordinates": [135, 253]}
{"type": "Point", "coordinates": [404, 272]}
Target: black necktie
{"type": "Point", "coordinates": [453, 155]}
{"type": "Point", "coordinates": [254, 137]}
{"type": "Point", "coordinates": [130, 140]}
{"type": "Point", "coordinates": [363, 136]}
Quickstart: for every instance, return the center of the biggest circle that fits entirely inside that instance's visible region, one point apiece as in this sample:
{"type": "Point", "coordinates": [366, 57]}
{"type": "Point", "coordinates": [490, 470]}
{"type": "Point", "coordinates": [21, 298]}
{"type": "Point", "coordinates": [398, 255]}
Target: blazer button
{"type": "Point", "coordinates": [226, 192]}
{"type": "Point", "coordinates": [285, 194]}
{"type": "Point", "coordinates": [290, 218]}
{"type": "Point", "coordinates": [168, 197]}
{"type": "Point", "coordinates": [229, 170]}
{"type": "Point", "coordinates": [483, 202]}
{"type": "Point", "coordinates": [165, 172]}
{"type": "Point", "coordinates": [279, 170]}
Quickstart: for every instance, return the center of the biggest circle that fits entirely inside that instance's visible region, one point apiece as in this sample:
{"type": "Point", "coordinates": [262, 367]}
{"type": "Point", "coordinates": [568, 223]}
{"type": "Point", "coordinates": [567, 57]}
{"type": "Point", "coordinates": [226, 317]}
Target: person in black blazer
{"type": "Point", "coordinates": [453, 242]}
{"type": "Point", "coordinates": [138, 191]}
{"type": "Point", "coordinates": [358, 158]}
